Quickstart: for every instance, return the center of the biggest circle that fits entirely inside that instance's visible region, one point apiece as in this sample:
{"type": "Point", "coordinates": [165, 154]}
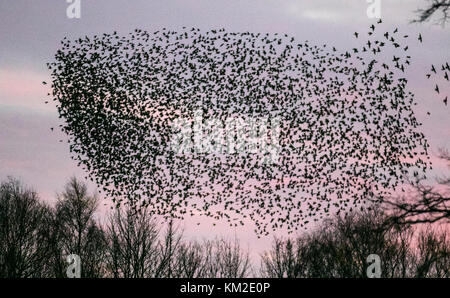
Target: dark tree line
{"type": "Point", "coordinates": [35, 239]}
{"type": "Point", "coordinates": [340, 247]}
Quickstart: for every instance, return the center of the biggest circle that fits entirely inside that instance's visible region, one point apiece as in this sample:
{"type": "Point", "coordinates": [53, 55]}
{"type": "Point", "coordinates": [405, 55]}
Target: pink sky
{"type": "Point", "coordinates": [30, 33]}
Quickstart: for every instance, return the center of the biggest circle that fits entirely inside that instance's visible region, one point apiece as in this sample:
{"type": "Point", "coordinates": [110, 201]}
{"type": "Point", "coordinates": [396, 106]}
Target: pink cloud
{"type": "Point", "coordinates": [23, 88]}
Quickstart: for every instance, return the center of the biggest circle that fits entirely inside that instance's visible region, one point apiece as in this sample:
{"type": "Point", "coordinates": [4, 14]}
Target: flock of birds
{"type": "Point", "coordinates": [348, 129]}
{"type": "Point", "coordinates": [444, 68]}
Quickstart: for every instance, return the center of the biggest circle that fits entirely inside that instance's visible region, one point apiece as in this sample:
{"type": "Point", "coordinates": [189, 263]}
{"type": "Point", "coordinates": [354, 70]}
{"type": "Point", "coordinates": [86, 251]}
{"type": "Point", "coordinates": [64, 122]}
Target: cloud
{"type": "Point", "coordinates": [322, 15]}
{"type": "Point", "coordinates": [324, 11]}
{"type": "Point", "coordinates": [23, 88]}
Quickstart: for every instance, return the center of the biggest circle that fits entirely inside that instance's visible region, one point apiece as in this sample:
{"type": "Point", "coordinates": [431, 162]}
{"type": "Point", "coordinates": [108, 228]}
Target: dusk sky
{"type": "Point", "coordinates": [31, 31]}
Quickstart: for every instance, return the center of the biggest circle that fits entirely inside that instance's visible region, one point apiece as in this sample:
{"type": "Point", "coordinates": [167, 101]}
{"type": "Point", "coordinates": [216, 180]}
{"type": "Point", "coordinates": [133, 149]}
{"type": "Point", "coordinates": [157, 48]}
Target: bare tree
{"type": "Point", "coordinates": [219, 258]}
{"type": "Point", "coordinates": [226, 259]}
{"type": "Point", "coordinates": [424, 204]}
{"type": "Point", "coordinates": [340, 247]}
{"type": "Point", "coordinates": [189, 261]}
{"type": "Point", "coordinates": [23, 249]}
{"type": "Point", "coordinates": [432, 257]}
{"type": "Point", "coordinates": [77, 231]}
{"type": "Point", "coordinates": [434, 8]}
{"type": "Point", "coordinates": [168, 248]}
{"type": "Point", "coordinates": [133, 248]}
